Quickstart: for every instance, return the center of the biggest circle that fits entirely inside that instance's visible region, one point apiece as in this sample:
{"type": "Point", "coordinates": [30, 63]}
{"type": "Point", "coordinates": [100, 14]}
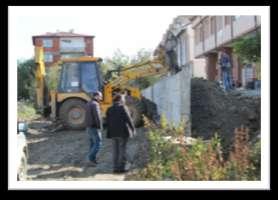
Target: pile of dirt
{"type": "Point", "coordinates": [213, 110]}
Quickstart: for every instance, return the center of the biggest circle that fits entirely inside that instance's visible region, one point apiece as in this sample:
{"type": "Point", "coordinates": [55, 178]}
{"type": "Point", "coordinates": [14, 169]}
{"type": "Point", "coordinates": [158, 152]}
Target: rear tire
{"type": "Point", "coordinates": [73, 114]}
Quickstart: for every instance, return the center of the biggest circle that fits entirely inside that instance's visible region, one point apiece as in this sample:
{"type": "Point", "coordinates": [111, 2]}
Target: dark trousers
{"type": "Point", "coordinates": [119, 153]}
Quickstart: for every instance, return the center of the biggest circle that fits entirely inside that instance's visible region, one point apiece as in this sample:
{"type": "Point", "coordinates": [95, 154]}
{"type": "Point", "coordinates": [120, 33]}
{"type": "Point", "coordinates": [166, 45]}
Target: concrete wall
{"type": "Point", "coordinates": [172, 97]}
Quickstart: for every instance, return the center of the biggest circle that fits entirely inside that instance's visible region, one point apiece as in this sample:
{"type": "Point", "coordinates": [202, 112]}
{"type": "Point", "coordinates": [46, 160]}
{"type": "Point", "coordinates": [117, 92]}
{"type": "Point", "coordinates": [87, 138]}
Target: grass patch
{"type": "Point", "coordinates": [26, 111]}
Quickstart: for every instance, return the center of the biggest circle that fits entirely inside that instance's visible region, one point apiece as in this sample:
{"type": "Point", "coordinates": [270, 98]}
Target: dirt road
{"type": "Point", "coordinates": [62, 155]}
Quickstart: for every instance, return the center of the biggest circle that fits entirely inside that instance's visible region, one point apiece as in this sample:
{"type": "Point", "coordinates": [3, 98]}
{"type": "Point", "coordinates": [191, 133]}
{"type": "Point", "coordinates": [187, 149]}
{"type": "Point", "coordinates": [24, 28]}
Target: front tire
{"type": "Point", "coordinates": [73, 114]}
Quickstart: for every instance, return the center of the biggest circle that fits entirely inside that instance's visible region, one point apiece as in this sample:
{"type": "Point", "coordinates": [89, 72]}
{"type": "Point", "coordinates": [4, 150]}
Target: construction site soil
{"type": "Point", "coordinates": [61, 155]}
{"type": "Point", "coordinates": [215, 111]}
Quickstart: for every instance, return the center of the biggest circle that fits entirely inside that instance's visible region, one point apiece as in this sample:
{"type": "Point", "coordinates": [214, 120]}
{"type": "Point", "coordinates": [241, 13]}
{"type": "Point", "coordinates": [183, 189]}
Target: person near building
{"type": "Point", "coordinates": [226, 70]}
{"type": "Point", "coordinates": [94, 126]}
{"type": "Point", "coordinates": [120, 127]}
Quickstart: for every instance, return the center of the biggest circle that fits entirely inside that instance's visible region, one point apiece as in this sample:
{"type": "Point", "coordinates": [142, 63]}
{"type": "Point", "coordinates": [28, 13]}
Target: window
{"type": "Point", "coordinates": [212, 25]}
{"type": "Point", "coordinates": [70, 78]}
{"type": "Point", "coordinates": [228, 20]}
{"type": "Point", "coordinates": [48, 57]}
{"type": "Point", "coordinates": [197, 35]}
{"type": "Point", "coordinates": [219, 23]}
{"type": "Point", "coordinates": [236, 17]}
{"type": "Point", "coordinates": [201, 33]}
{"type": "Point", "coordinates": [84, 76]}
{"type": "Point", "coordinates": [48, 43]}
{"type": "Point", "coordinates": [71, 55]}
{"type": "Point", "coordinates": [206, 28]}
{"type": "Point", "coordinates": [91, 80]}
{"type": "Point", "coordinates": [72, 45]}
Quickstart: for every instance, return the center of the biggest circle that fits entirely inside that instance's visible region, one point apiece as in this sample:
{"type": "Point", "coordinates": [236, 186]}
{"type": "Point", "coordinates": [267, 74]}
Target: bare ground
{"type": "Point", "coordinates": [62, 155]}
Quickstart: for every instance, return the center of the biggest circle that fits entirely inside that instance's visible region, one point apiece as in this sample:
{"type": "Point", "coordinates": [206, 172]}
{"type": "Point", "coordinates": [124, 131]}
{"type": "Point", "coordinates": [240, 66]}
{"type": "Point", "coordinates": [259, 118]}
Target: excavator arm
{"type": "Point", "coordinates": [141, 70]}
{"type": "Point", "coordinates": [155, 67]}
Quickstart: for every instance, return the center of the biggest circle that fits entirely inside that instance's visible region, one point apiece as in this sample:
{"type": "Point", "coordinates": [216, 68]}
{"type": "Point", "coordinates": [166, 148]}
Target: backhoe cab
{"type": "Point", "coordinates": [79, 78]}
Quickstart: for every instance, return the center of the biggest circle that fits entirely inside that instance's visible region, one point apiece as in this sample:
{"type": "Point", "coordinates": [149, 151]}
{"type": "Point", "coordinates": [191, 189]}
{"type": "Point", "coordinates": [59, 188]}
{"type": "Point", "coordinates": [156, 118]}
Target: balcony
{"type": "Point", "coordinates": [242, 25]}
{"type": "Point", "coordinates": [227, 33]}
{"type": "Point", "coordinates": [210, 42]}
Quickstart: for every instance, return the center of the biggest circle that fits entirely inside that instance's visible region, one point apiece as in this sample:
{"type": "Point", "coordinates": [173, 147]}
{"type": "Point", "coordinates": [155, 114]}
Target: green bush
{"type": "Point", "coordinates": [26, 87]}
{"type": "Point", "coordinates": [255, 158]}
{"type": "Point", "coordinates": [201, 160]}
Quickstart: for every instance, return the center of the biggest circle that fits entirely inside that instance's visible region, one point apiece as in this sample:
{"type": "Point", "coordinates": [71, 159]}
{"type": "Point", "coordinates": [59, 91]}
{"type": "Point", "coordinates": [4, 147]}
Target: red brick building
{"type": "Point", "coordinates": [63, 45]}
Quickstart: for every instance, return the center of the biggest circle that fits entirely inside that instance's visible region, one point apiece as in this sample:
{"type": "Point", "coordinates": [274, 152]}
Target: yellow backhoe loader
{"type": "Point", "coordinates": [80, 77]}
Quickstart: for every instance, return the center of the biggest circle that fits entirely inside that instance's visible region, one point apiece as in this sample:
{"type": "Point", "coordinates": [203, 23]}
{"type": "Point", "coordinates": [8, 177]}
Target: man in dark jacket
{"type": "Point", "coordinates": [94, 126]}
{"type": "Point", "coordinates": [119, 127]}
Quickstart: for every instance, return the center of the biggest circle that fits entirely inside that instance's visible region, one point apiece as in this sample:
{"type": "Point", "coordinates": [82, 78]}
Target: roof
{"type": "Point", "coordinates": [60, 34]}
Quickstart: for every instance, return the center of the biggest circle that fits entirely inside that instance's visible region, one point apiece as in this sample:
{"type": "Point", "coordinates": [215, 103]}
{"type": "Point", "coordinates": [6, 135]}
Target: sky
{"type": "Point", "coordinates": [126, 28]}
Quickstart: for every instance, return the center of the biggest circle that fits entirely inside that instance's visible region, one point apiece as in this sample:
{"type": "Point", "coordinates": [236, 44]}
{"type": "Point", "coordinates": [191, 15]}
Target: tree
{"type": "Point", "coordinates": [142, 56]}
{"type": "Point", "coordinates": [249, 50]}
{"type": "Point", "coordinates": [117, 61]}
{"type": "Point", "coordinates": [26, 79]}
